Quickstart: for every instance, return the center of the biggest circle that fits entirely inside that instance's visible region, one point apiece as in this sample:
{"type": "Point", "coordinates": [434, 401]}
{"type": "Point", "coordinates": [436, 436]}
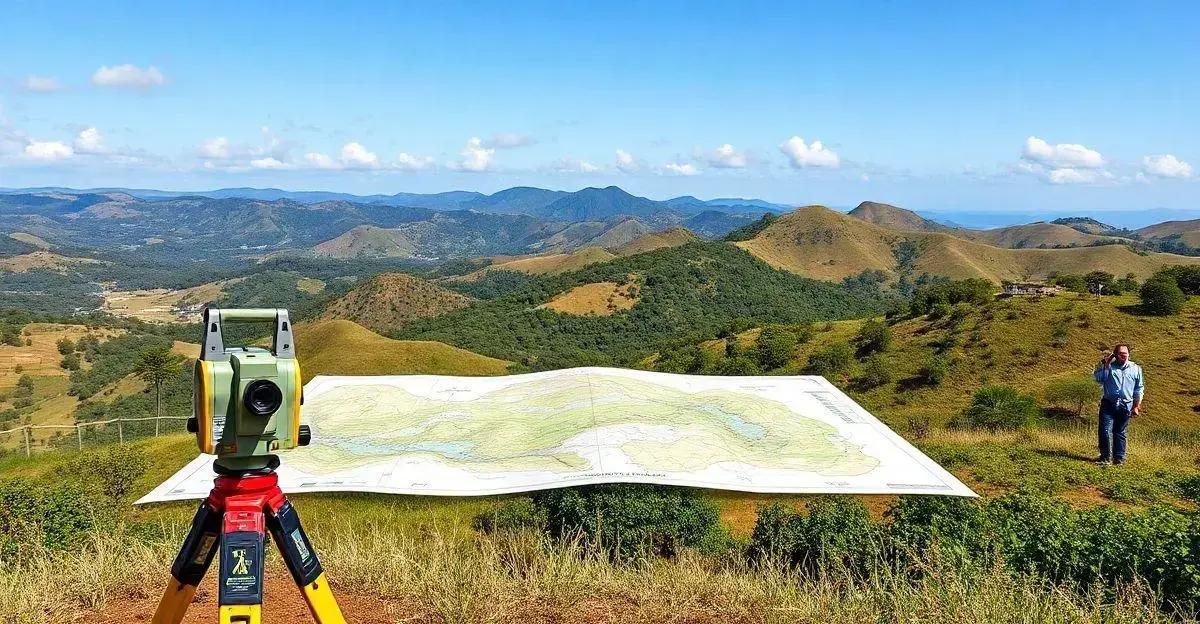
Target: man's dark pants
{"type": "Point", "coordinates": [1114, 421]}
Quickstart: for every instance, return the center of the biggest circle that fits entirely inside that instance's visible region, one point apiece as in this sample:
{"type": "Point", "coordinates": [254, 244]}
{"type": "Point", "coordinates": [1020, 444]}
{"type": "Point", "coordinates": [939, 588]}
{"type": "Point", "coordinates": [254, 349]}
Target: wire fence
{"type": "Point", "coordinates": [96, 431]}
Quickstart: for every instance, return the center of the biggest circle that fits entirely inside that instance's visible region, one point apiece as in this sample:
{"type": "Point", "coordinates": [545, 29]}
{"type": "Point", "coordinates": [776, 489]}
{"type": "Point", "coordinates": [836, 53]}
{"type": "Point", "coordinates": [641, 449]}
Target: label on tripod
{"type": "Point", "coordinates": [241, 569]}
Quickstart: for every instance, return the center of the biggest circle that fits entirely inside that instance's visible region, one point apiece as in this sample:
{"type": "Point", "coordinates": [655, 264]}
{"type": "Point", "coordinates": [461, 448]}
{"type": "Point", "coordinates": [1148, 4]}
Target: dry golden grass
{"type": "Point", "coordinates": [158, 305]}
{"type": "Point", "coordinates": [598, 299]}
{"type": "Point", "coordinates": [431, 575]}
{"type": "Point", "coordinates": [310, 285]}
{"type": "Point", "coordinates": [41, 260]}
{"type": "Point", "coordinates": [389, 301]}
{"type": "Point", "coordinates": [26, 237]}
{"type": "Point", "coordinates": [673, 237]}
{"type": "Point", "coordinates": [41, 358]}
{"type": "Point", "coordinates": [346, 348]}
{"type": "Point", "coordinates": [552, 264]}
{"type": "Point", "coordinates": [821, 243]}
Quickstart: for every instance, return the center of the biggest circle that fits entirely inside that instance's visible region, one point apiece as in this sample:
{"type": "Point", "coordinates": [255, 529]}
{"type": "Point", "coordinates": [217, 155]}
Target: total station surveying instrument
{"type": "Point", "coordinates": [246, 406]}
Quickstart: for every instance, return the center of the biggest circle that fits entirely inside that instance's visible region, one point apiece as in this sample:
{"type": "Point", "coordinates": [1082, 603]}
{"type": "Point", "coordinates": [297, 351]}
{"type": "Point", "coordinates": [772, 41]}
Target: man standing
{"type": "Point", "coordinates": [1122, 383]}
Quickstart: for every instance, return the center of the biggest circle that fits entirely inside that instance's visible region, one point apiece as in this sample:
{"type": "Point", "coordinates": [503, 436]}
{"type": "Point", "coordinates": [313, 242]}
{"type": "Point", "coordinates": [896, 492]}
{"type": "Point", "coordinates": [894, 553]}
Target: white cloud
{"type": "Point", "coordinates": [1062, 155]}
{"type": "Point", "coordinates": [128, 76]}
{"type": "Point", "coordinates": [572, 165]}
{"type": "Point", "coordinates": [626, 162]}
{"type": "Point", "coordinates": [217, 147]}
{"type": "Point", "coordinates": [355, 156]}
{"type": "Point", "coordinates": [269, 163]}
{"type": "Point", "coordinates": [1166, 166]}
{"type": "Point", "coordinates": [41, 84]}
{"type": "Point", "coordinates": [683, 169]}
{"type": "Point", "coordinates": [726, 157]}
{"type": "Point", "coordinates": [803, 155]}
{"type": "Point", "coordinates": [48, 150]}
{"type": "Point", "coordinates": [475, 156]}
{"type": "Point", "coordinates": [90, 141]}
{"type": "Point", "coordinates": [508, 140]}
{"type": "Point", "coordinates": [408, 162]}
{"type": "Point", "coordinates": [321, 161]}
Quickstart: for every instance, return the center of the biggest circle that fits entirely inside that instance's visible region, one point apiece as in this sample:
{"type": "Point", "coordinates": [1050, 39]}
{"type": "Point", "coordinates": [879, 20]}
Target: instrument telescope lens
{"type": "Point", "coordinates": [263, 397]}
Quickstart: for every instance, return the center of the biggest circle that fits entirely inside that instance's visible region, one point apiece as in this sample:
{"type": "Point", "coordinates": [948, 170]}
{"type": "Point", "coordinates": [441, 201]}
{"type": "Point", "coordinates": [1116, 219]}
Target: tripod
{"type": "Point", "coordinates": [242, 506]}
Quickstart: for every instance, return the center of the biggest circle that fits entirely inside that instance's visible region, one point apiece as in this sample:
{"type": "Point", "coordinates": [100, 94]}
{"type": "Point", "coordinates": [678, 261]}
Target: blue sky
{"type": "Point", "coordinates": [936, 106]}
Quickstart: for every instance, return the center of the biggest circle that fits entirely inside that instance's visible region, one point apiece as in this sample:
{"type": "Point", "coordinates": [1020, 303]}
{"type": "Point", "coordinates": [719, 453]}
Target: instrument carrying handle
{"type": "Point", "coordinates": [212, 347]}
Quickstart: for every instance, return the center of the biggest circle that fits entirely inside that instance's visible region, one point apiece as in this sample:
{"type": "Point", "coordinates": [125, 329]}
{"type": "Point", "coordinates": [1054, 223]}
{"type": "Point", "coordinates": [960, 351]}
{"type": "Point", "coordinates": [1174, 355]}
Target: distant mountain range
{"type": "Point", "coordinates": [519, 220]}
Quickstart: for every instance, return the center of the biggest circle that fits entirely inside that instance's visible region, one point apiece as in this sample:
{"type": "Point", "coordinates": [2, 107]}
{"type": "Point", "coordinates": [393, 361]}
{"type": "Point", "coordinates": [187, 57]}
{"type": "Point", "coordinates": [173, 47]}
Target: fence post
{"type": "Point", "coordinates": [26, 440]}
{"type": "Point", "coordinates": [156, 421]}
{"type": "Point", "coordinates": [120, 430]}
{"type": "Point", "coordinates": [79, 435]}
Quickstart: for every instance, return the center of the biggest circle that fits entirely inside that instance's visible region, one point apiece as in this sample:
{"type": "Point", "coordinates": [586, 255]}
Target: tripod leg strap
{"type": "Point", "coordinates": [191, 563]}
{"type": "Point", "coordinates": [302, 562]}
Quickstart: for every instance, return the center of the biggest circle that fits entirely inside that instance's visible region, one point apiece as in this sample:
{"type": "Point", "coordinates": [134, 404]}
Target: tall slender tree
{"type": "Point", "coordinates": [155, 367]}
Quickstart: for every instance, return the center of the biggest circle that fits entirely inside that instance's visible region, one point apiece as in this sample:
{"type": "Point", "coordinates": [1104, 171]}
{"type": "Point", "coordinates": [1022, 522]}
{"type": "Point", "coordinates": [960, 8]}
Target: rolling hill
{"type": "Point", "coordinates": [673, 237]}
{"type": "Point", "coordinates": [367, 241]}
{"type": "Point", "coordinates": [895, 218]}
{"type": "Point", "coordinates": [391, 300]}
{"type": "Point", "coordinates": [1032, 345]}
{"type": "Point", "coordinates": [818, 242]}
{"type": "Point", "coordinates": [341, 347]}
{"type": "Point", "coordinates": [1024, 236]}
{"type": "Point", "coordinates": [1186, 232]}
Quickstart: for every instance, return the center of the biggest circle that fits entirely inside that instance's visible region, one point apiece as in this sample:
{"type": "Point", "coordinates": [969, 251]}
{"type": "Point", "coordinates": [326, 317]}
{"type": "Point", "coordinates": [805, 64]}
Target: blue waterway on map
{"type": "Point", "coordinates": [741, 426]}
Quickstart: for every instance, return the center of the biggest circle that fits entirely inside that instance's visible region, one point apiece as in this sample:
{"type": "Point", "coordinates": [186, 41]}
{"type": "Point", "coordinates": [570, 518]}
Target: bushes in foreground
{"type": "Point", "coordinates": [1028, 533]}
{"type": "Point", "coordinates": [837, 536]}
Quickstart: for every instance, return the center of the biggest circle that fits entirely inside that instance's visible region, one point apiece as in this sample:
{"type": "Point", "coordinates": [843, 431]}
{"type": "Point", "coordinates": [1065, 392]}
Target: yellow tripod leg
{"type": "Point", "coordinates": [174, 603]}
{"type": "Point", "coordinates": [321, 602]}
{"type": "Point", "coordinates": [241, 614]}
{"type": "Point", "coordinates": [190, 565]}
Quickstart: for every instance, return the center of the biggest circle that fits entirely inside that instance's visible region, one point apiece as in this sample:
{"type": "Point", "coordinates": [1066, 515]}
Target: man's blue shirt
{"type": "Point", "coordinates": [1122, 384]}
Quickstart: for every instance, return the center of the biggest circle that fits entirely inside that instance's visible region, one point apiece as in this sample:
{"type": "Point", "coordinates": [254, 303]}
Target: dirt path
{"type": "Point", "coordinates": [282, 605]}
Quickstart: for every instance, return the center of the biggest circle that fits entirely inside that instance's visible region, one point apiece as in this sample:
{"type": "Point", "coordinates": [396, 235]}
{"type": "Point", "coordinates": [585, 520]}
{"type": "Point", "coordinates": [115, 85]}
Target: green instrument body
{"type": "Point", "coordinates": [247, 399]}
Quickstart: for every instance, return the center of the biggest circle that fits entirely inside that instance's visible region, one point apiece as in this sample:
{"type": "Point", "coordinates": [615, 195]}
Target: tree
{"type": "Point", "coordinates": [70, 362]}
{"type": "Point", "coordinates": [831, 360]}
{"type": "Point", "coordinates": [155, 367]}
{"type": "Point", "coordinates": [1161, 296]}
{"type": "Point", "coordinates": [1187, 277]}
{"type": "Point", "coordinates": [65, 346]}
{"type": "Point", "coordinates": [1001, 407]}
{"type": "Point", "coordinates": [873, 337]}
{"type": "Point", "coordinates": [876, 372]}
{"type": "Point", "coordinates": [1072, 282]}
{"type": "Point", "coordinates": [1096, 279]}
{"type": "Point", "coordinates": [1075, 392]}
{"type": "Point", "coordinates": [775, 346]}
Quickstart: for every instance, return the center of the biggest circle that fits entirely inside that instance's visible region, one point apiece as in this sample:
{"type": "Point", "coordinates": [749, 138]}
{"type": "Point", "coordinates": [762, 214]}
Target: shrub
{"type": "Point", "coordinates": [633, 521]}
{"type": "Point", "coordinates": [775, 346]}
{"type": "Point", "coordinates": [38, 516]}
{"type": "Point", "coordinates": [738, 365]}
{"type": "Point", "coordinates": [1187, 277]}
{"type": "Point", "coordinates": [832, 360]}
{"type": "Point", "coordinates": [112, 472]}
{"type": "Point", "coordinates": [1075, 393]}
{"type": "Point", "coordinates": [70, 362]}
{"type": "Point", "coordinates": [1161, 296]}
{"type": "Point", "coordinates": [1001, 407]}
{"type": "Point", "coordinates": [837, 533]}
{"type": "Point", "coordinates": [875, 336]}
{"type": "Point", "coordinates": [65, 346]}
{"type": "Point", "coordinates": [514, 514]}
{"type": "Point", "coordinates": [933, 371]}
{"type": "Point", "coordinates": [876, 373]}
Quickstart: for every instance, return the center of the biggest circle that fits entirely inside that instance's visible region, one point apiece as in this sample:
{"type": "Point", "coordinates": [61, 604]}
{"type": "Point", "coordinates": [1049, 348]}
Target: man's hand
{"type": "Point", "coordinates": [1136, 411]}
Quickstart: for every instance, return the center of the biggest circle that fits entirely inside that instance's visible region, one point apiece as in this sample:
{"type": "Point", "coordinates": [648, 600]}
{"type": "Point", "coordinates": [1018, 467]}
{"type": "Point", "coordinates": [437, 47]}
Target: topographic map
{"type": "Point", "coordinates": [468, 436]}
